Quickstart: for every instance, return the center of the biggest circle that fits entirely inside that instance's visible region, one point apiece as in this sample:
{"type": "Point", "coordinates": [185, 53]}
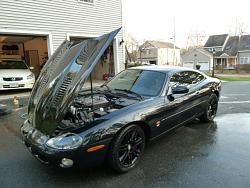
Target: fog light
{"type": "Point", "coordinates": [66, 163]}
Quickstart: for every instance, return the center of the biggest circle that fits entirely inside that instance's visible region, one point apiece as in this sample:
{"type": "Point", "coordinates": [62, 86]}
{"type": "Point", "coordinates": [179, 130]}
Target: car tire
{"type": "Point", "coordinates": [127, 149]}
{"type": "Point", "coordinates": [211, 109]}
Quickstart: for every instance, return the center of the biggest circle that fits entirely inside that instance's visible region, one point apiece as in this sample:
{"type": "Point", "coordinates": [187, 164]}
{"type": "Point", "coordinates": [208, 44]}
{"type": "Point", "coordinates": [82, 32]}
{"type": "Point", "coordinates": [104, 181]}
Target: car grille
{"type": "Point", "coordinates": [12, 78]}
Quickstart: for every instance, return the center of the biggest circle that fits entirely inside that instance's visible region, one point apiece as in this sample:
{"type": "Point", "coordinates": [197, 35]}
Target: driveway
{"type": "Point", "coordinates": [197, 155]}
{"type": "Point", "coordinates": [9, 94]}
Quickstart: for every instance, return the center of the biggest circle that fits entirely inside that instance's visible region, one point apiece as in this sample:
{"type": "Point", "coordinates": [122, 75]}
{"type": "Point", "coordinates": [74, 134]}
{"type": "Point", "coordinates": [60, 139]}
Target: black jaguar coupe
{"type": "Point", "coordinates": [69, 126]}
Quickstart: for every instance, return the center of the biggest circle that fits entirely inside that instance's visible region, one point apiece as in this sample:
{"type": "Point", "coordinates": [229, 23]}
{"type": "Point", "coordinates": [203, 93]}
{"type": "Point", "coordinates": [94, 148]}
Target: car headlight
{"type": "Point", "coordinates": [65, 142]}
{"type": "Point", "coordinates": [30, 76]}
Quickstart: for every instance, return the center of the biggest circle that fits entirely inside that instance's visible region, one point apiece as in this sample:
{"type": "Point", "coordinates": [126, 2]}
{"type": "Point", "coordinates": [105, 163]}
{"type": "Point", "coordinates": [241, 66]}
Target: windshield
{"type": "Point", "coordinates": [11, 64]}
{"type": "Point", "coordinates": [143, 82]}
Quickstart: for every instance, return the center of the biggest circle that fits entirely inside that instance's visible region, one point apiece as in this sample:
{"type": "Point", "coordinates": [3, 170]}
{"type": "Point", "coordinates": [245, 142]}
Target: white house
{"type": "Point", "coordinates": [33, 29]}
{"type": "Point", "coordinates": [159, 53]}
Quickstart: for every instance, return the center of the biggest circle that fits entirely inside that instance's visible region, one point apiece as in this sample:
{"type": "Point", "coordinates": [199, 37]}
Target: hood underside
{"type": "Point", "coordinates": [62, 78]}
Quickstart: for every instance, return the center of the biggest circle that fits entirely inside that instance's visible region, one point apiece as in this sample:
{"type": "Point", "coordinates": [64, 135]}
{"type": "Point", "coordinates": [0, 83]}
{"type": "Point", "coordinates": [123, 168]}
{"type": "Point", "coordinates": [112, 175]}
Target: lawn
{"type": "Point", "coordinates": [233, 78]}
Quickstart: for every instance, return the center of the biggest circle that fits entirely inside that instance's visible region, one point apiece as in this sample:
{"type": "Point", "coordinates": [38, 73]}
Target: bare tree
{"type": "Point", "coordinates": [239, 27]}
{"type": "Point", "coordinates": [131, 43]}
{"type": "Point", "coordinates": [131, 47]}
{"type": "Point", "coordinates": [195, 40]}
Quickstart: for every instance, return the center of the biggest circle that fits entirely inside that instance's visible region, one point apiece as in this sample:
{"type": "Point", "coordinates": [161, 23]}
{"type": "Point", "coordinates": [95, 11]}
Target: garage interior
{"type": "Point", "coordinates": [105, 68]}
{"type": "Point", "coordinates": [32, 49]}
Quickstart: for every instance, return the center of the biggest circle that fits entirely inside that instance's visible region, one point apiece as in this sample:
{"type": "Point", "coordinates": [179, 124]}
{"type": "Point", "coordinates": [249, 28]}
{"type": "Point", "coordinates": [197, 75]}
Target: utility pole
{"type": "Point", "coordinates": [213, 62]}
{"type": "Point", "coordinates": [174, 41]}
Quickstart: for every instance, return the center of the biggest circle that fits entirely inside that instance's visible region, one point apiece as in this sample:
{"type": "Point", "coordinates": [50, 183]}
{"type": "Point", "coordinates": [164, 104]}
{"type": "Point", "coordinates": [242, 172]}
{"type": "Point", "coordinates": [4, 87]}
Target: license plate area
{"type": "Point", "coordinates": [13, 85]}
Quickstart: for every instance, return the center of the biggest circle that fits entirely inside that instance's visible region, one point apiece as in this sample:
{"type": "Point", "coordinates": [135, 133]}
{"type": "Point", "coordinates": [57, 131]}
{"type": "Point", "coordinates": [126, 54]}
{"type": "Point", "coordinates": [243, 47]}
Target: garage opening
{"type": "Point", "coordinates": [33, 50]}
{"type": "Point", "coordinates": [105, 69]}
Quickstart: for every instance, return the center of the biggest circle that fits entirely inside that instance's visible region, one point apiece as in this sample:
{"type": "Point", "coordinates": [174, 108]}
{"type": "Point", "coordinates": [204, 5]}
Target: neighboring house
{"type": "Point", "coordinates": [216, 42]}
{"type": "Point", "coordinates": [228, 52]}
{"type": "Point", "coordinates": [198, 57]}
{"type": "Point", "coordinates": [224, 48]}
{"type": "Point", "coordinates": [32, 30]}
{"type": "Point", "coordinates": [159, 53]}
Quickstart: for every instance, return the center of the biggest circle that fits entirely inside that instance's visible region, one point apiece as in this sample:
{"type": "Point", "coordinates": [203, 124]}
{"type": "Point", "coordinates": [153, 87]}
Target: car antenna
{"type": "Point", "coordinates": [91, 87]}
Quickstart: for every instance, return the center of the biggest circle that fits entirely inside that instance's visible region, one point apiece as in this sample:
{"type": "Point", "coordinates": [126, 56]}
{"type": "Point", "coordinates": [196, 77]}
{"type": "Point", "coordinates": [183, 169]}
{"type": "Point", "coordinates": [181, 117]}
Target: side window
{"type": "Point", "coordinates": [197, 77]}
{"type": "Point", "coordinates": [185, 78]}
{"type": "Point", "coordinates": [177, 80]}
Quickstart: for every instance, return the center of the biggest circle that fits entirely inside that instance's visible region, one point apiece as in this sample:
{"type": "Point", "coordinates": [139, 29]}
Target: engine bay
{"type": "Point", "coordinates": [87, 108]}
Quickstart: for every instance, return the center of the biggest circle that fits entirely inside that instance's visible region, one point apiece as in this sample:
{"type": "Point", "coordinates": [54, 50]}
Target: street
{"type": "Point", "coordinates": [196, 155]}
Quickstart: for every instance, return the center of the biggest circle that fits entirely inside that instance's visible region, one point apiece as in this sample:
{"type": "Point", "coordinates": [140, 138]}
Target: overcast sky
{"type": "Point", "coordinates": [153, 19]}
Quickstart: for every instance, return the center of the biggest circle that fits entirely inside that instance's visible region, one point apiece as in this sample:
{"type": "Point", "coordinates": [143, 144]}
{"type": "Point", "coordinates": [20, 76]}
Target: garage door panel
{"type": "Point", "coordinates": [188, 64]}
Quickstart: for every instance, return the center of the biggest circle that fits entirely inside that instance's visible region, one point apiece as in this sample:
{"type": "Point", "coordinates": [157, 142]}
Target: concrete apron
{"type": "Point", "coordinates": [9, 105]}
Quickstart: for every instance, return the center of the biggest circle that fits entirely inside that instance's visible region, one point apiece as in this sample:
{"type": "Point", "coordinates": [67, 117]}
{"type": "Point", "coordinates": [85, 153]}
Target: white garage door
{"type": "Point", "coordinates": [188, 64]}
{"type": "Point", "coordinates": [204, 65]}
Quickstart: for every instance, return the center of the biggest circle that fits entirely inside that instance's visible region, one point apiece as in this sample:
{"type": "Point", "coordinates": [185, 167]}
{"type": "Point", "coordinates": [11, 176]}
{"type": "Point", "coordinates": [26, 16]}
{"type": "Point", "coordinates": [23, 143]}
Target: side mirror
{"type": "Point", "coordinates": [31, 68]}
{"type": "Point", "coordinates": [180, 90]}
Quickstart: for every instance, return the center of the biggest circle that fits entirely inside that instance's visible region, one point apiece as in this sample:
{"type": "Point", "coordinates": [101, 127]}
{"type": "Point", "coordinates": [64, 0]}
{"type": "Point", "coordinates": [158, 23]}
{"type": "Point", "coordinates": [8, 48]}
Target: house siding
{"type": "Point", "coordinates": [152, 55]}
{"type": "Point", "coordinates": [196, 57]}
{"type": "Point", "coordinates": [61, 17]}
{"type": "Point", "coordinates": [243, 66]}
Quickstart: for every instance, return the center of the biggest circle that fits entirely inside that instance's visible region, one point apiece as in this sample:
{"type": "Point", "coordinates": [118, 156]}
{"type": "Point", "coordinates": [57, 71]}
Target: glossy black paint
{"type": "Point", "coordinates": [156, 115]}
{"type": "Point", "coordinates": [62, 78]}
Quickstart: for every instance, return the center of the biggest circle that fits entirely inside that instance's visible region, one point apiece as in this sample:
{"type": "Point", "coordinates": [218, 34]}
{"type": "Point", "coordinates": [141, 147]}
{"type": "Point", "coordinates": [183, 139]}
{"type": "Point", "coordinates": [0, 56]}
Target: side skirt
{"type": "Point", "coordinates": [175, 127]}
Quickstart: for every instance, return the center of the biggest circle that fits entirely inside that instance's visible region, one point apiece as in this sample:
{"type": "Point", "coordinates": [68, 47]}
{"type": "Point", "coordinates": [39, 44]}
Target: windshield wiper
{"type": "Point", "coordinates": [130, 92]}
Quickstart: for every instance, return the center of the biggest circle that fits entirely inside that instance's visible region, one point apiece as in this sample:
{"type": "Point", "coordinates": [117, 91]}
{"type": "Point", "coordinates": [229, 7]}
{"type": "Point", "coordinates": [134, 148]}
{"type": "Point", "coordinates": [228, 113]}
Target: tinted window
{"type": "Point", "coordinates": [186, 78]}
{"type": "Point", "coordinates": [143, 82]}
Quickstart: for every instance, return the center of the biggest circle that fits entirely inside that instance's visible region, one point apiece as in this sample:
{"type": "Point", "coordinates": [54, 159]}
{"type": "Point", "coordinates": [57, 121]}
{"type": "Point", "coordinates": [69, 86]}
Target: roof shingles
{"type": "Point", "coordinates": [216, 40]}
{"type": "Point", "coordinates": [233, 45]}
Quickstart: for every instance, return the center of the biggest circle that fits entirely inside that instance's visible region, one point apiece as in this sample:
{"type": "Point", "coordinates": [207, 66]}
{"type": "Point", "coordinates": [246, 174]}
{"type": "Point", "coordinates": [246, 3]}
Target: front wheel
{"type": "Point", "coordinates": [127, 148]}
{"type": "Point", "coordinates": [211, 109]}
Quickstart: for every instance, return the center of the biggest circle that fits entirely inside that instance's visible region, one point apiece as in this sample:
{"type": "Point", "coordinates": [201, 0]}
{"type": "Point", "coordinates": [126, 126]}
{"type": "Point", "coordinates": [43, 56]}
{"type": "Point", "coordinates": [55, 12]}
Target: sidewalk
{"type": "Point", "coordinates": [232, 75]}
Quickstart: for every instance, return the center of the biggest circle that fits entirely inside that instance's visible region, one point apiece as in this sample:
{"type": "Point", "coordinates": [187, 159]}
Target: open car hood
{"type": "Point", "coordinates": [62, 77]}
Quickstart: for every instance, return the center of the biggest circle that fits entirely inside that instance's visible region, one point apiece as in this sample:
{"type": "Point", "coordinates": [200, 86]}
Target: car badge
{"type": "Point", "coordinates": [158, 123]}
{"type": "Point", "coordinates": [13, 79]}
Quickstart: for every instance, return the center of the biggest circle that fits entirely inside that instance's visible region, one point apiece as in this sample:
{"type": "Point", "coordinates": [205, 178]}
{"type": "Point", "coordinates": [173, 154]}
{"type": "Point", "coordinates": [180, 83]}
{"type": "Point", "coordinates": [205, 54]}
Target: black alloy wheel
{"type": "Point", "coordinates": [127, 148]}
{"type": "Point", "coordinates": [211, 109]}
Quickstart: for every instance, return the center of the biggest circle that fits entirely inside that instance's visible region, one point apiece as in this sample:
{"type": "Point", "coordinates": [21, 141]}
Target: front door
{"type": "Point", "coordinates": [180, 108]}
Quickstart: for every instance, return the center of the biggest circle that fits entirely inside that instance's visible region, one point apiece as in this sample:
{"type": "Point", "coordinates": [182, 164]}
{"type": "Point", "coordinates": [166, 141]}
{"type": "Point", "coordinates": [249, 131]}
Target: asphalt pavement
{"type": "Point", "coordinates": [197, 155]}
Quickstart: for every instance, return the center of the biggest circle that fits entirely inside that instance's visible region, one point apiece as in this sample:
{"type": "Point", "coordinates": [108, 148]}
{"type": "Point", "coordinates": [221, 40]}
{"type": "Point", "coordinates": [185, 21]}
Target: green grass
{"type": "Point", "coordinates": [230, 78]}
{"type": "Point", "coordinates": [233, 78]}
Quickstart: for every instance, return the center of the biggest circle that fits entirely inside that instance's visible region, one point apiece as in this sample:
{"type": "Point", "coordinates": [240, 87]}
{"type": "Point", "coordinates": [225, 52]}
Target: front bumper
{"type": "Point", "coordinates": [35, 142]}
{"type": "Point", "coordinates": [23, 84]}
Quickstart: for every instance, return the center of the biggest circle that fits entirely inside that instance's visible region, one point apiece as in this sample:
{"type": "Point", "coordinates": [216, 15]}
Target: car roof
{"type": "Point", "coordinates": [164, 69]}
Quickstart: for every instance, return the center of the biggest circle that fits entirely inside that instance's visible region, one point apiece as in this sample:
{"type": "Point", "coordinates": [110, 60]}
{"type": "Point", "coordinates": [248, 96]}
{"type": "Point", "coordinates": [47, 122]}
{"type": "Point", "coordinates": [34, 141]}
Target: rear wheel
{"type": "Point", "coordinates": [211, 109]}
{"type": "Point", "coordinates": [127, 148]}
